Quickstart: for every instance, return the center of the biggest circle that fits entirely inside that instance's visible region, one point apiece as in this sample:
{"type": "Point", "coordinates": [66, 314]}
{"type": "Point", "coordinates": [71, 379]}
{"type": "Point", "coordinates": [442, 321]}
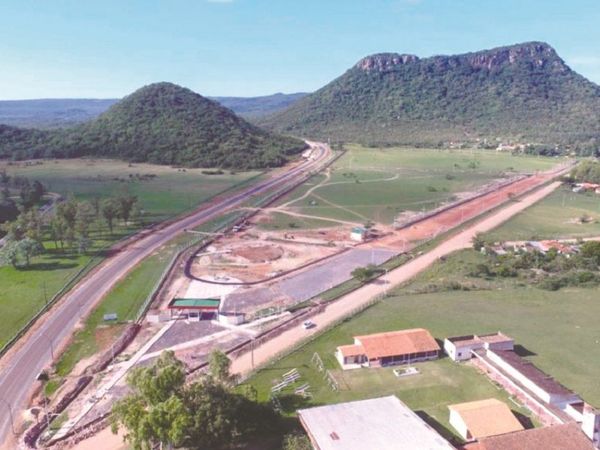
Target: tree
{"type": "Point", "coordinates": [591, 249]}
{"type": "Point", "coordinates": [126, 202]}
{"type": "Point", "coordinates": [84, 216]}
{"type": "Point", "coordinates": [68, 211]}
{"type": "Point", "coordinates": [19, 253]}
{"type": "Point", "coordinates": [32, 224]}
{"type": "Point", "coordinates": [162, 409]}
{"type": "Point", "coordinates": [154, 412]}
{"type": "Point", "coordinates": [218, 367]}
{"type": "Point", "coordinates": [110, 210]}
{"type": "Point", "coordinates": [296, 442]}
{"type": "Point", "coordinates": [8, 208]}
{"type": "Point", "coordinates": [364, 274]}
{"type": "Point", "coordinates": [28, 248]}
{"type": "Point", "coordinates": [9, 254]}
{"type": "Point", "coordinates": [58, 231]}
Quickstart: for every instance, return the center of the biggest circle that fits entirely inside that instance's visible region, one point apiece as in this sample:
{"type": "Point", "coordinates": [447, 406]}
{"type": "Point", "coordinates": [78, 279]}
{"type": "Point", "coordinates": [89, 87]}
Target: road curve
{"type": "Point", "coordinates": [35, 352]}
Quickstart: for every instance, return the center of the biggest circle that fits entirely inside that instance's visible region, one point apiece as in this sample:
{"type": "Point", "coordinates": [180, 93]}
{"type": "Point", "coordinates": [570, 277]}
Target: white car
{"type": "Point", "coordinates": [308, 324]}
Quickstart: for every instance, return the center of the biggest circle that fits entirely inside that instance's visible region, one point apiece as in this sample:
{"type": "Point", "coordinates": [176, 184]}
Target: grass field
{"type": "Point", "coordinates": [25, 291]}
{"type": "Point", "coordinates": [169, 193]}
{"type": "Point", "coordinates": [163, 191]}
{"type": "Point", "coordinates": [125, 299]}
{"type": "Point", "coordinates": [553, 217]}
{"type": "Point", "coordinates": [377, 184]}
{"type": "Point", "coordinates": [559, 330]}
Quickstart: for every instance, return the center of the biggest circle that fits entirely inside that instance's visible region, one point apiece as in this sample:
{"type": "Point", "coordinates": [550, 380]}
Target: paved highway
{"type": "Point", "coordinates": [36, 350]}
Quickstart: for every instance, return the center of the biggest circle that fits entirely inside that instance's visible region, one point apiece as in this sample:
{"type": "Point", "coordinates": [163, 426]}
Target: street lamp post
{"type": "Point", "coordinates": [10, 414]}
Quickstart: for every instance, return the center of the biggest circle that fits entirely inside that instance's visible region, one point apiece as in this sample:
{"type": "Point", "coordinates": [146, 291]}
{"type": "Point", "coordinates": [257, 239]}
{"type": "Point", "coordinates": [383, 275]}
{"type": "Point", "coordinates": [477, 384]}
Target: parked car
{"type": "Point", "coordinates": [309, 324]}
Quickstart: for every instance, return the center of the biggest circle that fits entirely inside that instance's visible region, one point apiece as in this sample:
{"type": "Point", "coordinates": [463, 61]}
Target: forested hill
{"type": "Point", "coordinates": [161, 123]}
{"type": "Point", "coordinates": [520, 93]}
{"type": "Point", "coordinates": [61, 113]}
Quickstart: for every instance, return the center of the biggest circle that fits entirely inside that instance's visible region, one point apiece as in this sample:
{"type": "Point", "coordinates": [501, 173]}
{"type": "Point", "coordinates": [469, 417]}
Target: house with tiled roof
{"type": "Point", "coordinates": [390, 348]}
{"type": "Point", "coordinates": [483, 418]}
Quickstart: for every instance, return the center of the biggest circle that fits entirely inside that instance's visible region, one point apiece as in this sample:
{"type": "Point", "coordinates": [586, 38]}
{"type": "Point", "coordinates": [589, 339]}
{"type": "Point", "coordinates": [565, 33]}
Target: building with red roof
{"type": "Point", "coordinates": [389, 348]}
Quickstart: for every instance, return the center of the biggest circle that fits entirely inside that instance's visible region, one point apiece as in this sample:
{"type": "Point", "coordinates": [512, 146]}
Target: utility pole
{"type": "Point", "coordinates": [10, 414]}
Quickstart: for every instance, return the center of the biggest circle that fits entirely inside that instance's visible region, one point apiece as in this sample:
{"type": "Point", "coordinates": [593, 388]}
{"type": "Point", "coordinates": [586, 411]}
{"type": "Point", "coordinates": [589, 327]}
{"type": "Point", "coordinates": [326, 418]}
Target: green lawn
{"type": "Point", "coordinates": [169, 193]}
{"type": "Point", "coordinates": [125, 299]}
{"type": "Point", "coordinates": [553, 217]}
{"type": "Point", "coordinates": [25, 291]}
{"type": "Point", "coordinates": [558, 329]}
{"type": "Point", "coordinates": [377, 184]}
{"type": "Point", "coordinates": [282, 221]}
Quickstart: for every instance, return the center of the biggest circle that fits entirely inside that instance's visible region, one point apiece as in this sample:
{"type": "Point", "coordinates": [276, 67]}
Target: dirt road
{"type": "Point", "coordinates": [356, 299]}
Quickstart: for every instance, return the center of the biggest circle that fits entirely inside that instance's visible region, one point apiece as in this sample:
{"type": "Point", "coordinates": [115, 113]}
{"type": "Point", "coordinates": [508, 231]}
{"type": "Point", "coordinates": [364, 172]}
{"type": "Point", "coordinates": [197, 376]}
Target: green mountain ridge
{"type": "Point", "coordinates": [520, 93]}
{"type": "Point", "coordinates": [160, 123]}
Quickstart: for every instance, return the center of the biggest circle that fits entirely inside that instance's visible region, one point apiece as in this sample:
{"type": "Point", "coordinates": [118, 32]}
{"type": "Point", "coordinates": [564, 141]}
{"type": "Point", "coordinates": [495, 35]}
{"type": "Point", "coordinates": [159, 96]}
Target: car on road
{"type": "Point", "coordinates": [309, 324]}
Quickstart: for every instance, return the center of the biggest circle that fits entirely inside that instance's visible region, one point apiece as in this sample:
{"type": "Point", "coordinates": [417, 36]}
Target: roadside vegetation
{"type": "Point", "coordinates": [45, 252]}
{"type": "Point", "coordinates": [163, 410]}
{"type": "Point", "coordinates": [551, 270]}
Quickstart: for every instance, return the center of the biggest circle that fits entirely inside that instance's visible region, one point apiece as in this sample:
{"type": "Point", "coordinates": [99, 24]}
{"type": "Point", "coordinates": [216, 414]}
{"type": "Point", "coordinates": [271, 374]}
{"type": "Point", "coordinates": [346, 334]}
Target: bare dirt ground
{"type": "Point", "coordinates": [451, 218]}
{"type": "Point", "coordinates": [255, 256]}
{"type": "Point", "coordinates": [349, 303]}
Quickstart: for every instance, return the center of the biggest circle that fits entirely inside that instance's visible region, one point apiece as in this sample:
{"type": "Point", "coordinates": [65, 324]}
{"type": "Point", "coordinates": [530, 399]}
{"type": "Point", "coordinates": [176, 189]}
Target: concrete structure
{"type": "Point", "coordinates": [591, 424]}
{"type": "Point", "coordinates": [460, 348]}
{"type": "Point", "coordinates": [194, 308]}
{"type": "Point", "coordinates": [558, 437]}
{"type": "Point", "coordinates": [539, 383]}
{"type": "Point", "coordinates": [483, 418]}
{"type": "Point", "coordinates": [375, 424]}
{"type": "Point", "coordinates": [386, 349]}
{"type": "Point", "coordinates": [157, 316]}
{"type": "Point", "coordinates": [359, 234]}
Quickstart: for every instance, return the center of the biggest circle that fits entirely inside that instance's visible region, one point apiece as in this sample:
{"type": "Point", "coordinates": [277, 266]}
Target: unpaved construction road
{"type": "Point", "coordinates": [344, 306]}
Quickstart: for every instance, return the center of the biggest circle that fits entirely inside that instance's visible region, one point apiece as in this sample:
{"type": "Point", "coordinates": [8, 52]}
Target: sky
{"type": "Point", "coordinates": [109, 48]}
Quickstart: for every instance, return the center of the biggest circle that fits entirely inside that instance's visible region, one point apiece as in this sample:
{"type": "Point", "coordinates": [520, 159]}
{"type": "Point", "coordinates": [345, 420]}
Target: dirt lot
{"type": "Point", "coordinates": [451, 218]}
{"type": "Point", "coordinates": [255, 256]}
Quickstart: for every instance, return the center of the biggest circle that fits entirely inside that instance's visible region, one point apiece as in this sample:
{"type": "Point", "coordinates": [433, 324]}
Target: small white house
{"type": "Point", "coordinates": [359, 234]}
{"type": "Point", "coordinates": [460, 348]}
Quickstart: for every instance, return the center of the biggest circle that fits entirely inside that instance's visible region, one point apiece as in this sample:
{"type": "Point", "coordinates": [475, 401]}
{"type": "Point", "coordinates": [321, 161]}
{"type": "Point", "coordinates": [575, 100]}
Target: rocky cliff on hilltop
{"type": "Point", "coordinates": [523, 93]}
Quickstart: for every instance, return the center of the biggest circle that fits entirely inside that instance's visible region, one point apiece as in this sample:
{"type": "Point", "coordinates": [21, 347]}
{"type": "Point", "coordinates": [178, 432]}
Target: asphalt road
{"type": "Point", "coordinates": [36, 351]}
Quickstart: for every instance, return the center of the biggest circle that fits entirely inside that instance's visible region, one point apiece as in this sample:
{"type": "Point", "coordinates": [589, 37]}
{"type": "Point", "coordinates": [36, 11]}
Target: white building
{"type": "Point", "coordinates": [359, 234]}
{"type": "Point", "coordinates": [376, 424]}
{"type": "Point", "coordinates": [460, 348]}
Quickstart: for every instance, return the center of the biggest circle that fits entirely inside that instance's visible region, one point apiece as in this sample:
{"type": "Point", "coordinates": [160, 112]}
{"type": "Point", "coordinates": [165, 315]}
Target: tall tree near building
{"type": "Point", "coordinates": [163, 410]}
